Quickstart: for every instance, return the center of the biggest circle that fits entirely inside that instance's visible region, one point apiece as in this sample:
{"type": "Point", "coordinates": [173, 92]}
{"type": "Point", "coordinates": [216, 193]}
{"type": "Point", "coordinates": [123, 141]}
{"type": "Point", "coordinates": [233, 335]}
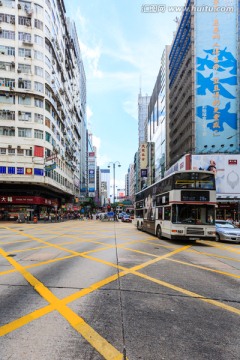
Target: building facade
{"type": "Point", "coordinates": [204, 97]}
{"type": "Point", "coordinates": [42, 108]}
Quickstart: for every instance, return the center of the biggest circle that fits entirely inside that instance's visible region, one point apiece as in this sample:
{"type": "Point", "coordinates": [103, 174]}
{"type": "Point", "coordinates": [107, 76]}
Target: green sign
{"type": "Point", "coordinates": [50, 167]}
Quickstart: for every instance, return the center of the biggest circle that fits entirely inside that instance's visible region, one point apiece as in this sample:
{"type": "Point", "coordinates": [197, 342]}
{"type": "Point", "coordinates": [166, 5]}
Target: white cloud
{"type": "Point", "coordinates": [92, 56]}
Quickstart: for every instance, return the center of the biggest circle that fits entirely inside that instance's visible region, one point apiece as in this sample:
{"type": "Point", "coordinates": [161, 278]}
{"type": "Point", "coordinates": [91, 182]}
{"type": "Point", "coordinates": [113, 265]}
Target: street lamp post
{"type": "Point", "coordinates": [114, 164]}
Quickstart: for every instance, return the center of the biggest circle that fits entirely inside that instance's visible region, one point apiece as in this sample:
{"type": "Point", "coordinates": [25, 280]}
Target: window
{"type": "Point", "coordinates": [38, 40]}
{"type": "Point", "coordinates": [47, 106]}
{"type": "Point", "coordinates": [26, 37]}
{"type": "Point", "coordinates": [38, 134]}
{"type": "Point", "coordinates": [47, 77]}
{"type": "Point", "coordinates": [24, 100]}
{"type": "Point", "coordinates": [7, 131]}
{"type": "Point", "coordinates": [38, 9]}
{"type": "Point", "coordinates": [24, 116]}
{"type": "Point", "coordinates": [24, 52]}
{"type": "Point", "coordinates": [7, 34]}
{"type": "Point", "coordinates": [22, 132]}
{"type": "Point", "coordinates": [10, 19]}
{"type": "Point", "coordinates": [23, 20]}
{"type": "Point", "coordinates": [25, 5]}
{"type": "Point", "coordinates": [3, 151]}
{"type": "Point", "coordinates": [11, 151]}
{"type": "Point", "coordinates": [24, 68]}
{"type": "Point", "coordinates": [38, 55]}
{"type": "Point", "coordinates": [38, 118]}
{"type": "Point", "coordinates": [5, 99]}
{"type": "Point", "coordinates": [24, 84]}
{"type": "Point", "coordinates": [28, 152]}
{"type": "Point", "coordinates": [167, 213]}
{"type": "Point", "coordinates": [38, 71]}
{"type": "Point", "coordinates": [47, 61]}
{"type": "Point", "coordinates": [38, 86]}
{"type": "Point", "coordinates": [47, 122]}
{"type": "Point", "coordinates": [7, 115]}
{"type": "Point", "coordinates": [20, 152]}
{"type": "Point", "coordinates": [47, 137]}
{"type": "Point", "coordinates": [37, 23]}
{"type": "Point", "coordinates": [7, 82]}
{"type": "Point", "coordinates": [38, 102]}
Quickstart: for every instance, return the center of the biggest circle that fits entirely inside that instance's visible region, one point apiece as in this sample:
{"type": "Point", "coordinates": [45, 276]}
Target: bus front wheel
{"type": "Point", "coordinates": [159, 232]}
{"type": "Point", "coordinates": [138, 226]}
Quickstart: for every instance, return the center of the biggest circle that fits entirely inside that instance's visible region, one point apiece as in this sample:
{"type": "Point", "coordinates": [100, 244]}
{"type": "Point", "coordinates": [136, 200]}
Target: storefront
{"type": "Point", "coordinates": [27, 206]}
{"type": "Point", "coordinates": [228, 209]}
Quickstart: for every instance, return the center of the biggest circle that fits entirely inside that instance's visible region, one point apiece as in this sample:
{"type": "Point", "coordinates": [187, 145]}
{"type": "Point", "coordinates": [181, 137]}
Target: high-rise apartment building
{"type": "Point", "coordinates": [42, 108]}
{"type": "Point", "coordinates": [158, 122]}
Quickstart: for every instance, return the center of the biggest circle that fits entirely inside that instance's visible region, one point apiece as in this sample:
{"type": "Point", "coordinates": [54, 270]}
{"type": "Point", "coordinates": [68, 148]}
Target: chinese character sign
{"type": "Point", "coordinates": [143, 155]}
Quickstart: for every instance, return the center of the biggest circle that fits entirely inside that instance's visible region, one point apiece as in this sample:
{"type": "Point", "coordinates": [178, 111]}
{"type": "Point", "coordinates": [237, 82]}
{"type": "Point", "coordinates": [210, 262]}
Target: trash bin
{"type": "Point", "coordinates": [35, 219]}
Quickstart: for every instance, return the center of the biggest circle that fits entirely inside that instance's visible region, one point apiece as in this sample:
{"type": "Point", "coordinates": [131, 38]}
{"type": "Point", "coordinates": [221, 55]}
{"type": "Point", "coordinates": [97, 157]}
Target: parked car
{"type": "Point", "coordinates": [126, 218]}
{"type": "Point", "coordinates": [225, 231]}
{"type": "Point", "coordinates": [120, 215]}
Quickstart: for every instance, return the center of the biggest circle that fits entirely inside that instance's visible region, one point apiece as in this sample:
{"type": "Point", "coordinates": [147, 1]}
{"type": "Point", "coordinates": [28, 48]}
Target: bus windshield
{"type": "Point", "coordinates": [192, 214]}
{"type": "Point", "coordinates": [194, 180]}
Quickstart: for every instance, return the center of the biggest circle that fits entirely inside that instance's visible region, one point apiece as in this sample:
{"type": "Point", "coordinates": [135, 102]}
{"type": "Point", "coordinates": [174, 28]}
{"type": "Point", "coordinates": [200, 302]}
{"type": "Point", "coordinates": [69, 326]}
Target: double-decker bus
{"type": "Point", "coordinates": [179, 206]}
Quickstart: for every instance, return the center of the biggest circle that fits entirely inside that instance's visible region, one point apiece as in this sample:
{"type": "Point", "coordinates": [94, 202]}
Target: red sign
{"type": "Point", "coordinates": [34, 200]}
{"type": "Point", "coordinates": [28, 171]}
{"type": "Point", "coordinates": [38, 151]}
{"type": "Point", "coordinates": [232, 162]}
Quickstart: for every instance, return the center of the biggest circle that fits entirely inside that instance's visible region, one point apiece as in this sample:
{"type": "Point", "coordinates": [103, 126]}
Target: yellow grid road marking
{"type": "Point", "coordinates": [97, 341]}
{"type": "Point", "coordinates": [205, 268]}
{"type": "Point", "coordinates": [134, 271]}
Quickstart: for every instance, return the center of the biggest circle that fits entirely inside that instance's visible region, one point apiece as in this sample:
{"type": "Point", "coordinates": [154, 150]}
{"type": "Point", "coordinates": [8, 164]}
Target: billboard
{"type": "Point", "coordinates": [143, 156]}
{"type": "Point", "coordinates": [225, 168]}
{"type": "Point", "coordinates": [215, 42]}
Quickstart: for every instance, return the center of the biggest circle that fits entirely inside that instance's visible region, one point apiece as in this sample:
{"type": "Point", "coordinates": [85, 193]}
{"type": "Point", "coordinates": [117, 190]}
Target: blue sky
{"type": "Point", "coordinates": [121, 48]}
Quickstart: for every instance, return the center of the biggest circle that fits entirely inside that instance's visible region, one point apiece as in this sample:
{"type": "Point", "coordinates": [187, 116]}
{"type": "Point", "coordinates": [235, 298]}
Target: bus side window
{"type": "Point", "coordinates": [167, 213]}
{"type": "Point", "coordinates": [160, 213]}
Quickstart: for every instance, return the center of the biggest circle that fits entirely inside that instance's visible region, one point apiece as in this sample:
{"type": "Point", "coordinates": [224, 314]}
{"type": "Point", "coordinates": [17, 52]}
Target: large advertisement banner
{"type": "Point", "coordinates": [226, 169]}
{"type": "Point", "coordinates": [216, 75]}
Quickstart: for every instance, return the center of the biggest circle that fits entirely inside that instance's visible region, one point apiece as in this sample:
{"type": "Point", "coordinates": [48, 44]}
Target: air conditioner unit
{"type": "Point", "coordinates": [23, 96]}
{"type": "Point", "coordinates": [28, 23]}
{"type": "Point", "coordinates": [12, 21]}
{"type": "Point", "coordinates": [9, 146]}
{"type": "Point", "coordinates": [1, 3]}
{"type": "Point", "coordinates": [19, 71]}
{"type": "Point", "coordinates": [19, 6]}
{"type": "Point", "coordinates": [18, 147]}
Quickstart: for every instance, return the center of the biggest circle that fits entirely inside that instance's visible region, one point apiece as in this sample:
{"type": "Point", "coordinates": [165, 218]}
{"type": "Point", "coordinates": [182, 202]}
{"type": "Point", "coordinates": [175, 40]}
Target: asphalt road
{"type": "Point", "coordinates": [91, 290]}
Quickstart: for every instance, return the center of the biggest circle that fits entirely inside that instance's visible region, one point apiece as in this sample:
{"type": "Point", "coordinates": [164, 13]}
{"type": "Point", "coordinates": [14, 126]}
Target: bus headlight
{"type": "Point", "coordinates": [177, 231]}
